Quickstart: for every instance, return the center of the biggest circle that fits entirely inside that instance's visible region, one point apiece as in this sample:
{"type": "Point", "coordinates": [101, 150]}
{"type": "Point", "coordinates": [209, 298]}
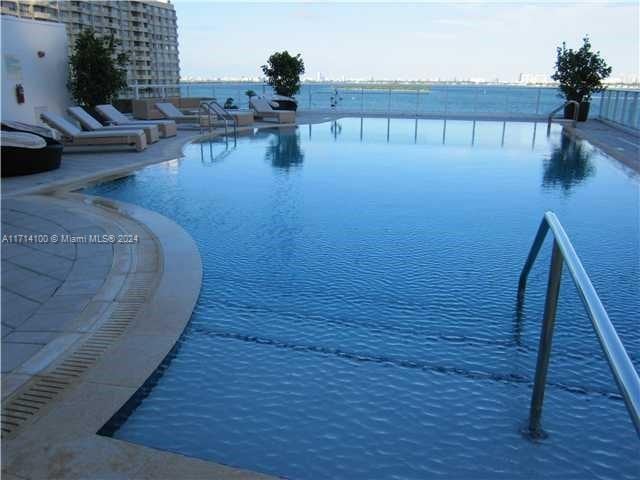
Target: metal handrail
{"type": "Point", "coordinates": [207, 112]}
{"type": "Point", "coordinates": [576, 110]}
{"type": "Point", "coordinates": [619, 362]}
{"type": "Point", "coordinates": [214, 107]}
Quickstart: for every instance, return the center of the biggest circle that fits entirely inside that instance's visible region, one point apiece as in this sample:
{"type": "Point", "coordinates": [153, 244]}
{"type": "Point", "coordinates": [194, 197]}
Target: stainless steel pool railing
{"type": "Point", "coordinates": [202, 109]}
{"type": "Point", "coordinates": [576, 111]}
{"type": "Point", "coordinates": [214, 108]}
{"type": "Point", "coordinates": [619, 362]}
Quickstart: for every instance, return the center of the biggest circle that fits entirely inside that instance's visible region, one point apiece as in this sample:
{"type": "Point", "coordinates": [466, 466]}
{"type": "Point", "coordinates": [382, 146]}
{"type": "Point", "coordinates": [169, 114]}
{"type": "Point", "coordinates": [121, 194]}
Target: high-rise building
{"type": "Point", "coordinates": [146, 29]}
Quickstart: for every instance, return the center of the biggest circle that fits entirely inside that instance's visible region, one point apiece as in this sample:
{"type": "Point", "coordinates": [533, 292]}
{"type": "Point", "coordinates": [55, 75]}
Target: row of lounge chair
{"type": "Point", "coordinates": [124, 131]}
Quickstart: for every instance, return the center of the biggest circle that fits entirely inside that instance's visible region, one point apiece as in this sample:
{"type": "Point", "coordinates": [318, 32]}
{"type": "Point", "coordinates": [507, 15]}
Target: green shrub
{"type": "Point", "coordinates": [283, 73]}
{"type": "Point", "coordinates": [580, 72]}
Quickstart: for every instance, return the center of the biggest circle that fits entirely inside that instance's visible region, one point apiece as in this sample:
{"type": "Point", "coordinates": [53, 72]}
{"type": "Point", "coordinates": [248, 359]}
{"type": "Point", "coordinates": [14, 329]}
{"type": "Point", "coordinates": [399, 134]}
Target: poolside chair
{"type": "Point", "coordinates": [263, 110]}
{"type": "Point", "coordinates": [170, 111]}
{"type": "Point", "coordinates": [113, 115]}
{"type": "Point", "coordinates": [73, 136]}
{"type": "Point", "coordinates": [240, 118]}
{"type": "Point", "coordinates": [89, 123]}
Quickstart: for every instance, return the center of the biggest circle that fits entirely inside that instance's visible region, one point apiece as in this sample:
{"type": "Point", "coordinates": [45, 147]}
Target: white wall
{"type": "Point", "coordinates": [44, 79]}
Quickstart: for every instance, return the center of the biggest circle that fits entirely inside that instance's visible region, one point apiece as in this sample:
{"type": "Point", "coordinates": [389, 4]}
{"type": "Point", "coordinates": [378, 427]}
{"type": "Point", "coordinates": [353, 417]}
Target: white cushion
{"type": "Point", "coordinates": [22, 140]}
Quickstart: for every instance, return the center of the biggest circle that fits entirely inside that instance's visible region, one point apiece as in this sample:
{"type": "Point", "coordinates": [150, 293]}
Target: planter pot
{"type": "Point", "coordinates": [583, 113]}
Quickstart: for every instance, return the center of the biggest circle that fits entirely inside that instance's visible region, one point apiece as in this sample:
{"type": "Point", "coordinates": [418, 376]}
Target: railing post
{"type": "Point", "coordinates": [601, 103]}
{"type": "Point", "coordinates": [309, 97]}
{"type": "Point", "coordinates": [389, 103]}
{"type": "Point", "coordinates": [417, 101]}
{"type": "Point", "coordinates": [361, 102]}
{"type": "Point", "coordinates": [546, 336]}
{"type": "Point", "coordinates": [538, 100]}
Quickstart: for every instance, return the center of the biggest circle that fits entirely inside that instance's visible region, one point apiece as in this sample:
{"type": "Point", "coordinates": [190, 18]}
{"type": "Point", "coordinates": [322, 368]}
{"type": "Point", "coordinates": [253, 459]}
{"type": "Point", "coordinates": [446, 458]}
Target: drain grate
{"type": "Point", "coordinates": [43, 389]}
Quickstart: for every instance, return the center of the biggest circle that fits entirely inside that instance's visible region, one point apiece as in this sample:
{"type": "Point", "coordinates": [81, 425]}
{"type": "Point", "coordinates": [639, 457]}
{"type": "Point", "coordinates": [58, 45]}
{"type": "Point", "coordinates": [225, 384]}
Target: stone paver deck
{"type": "Point", "coordinates": [46, 283]}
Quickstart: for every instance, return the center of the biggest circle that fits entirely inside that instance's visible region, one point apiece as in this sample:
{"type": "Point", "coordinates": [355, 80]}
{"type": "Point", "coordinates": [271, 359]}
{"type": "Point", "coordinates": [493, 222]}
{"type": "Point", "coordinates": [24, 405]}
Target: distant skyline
{"type": "Point", "coordinates": [463, 40]}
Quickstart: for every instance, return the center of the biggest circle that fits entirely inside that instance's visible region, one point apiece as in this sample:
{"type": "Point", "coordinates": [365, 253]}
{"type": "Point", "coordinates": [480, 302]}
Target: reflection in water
{"type": "Point", "coordinates": [208, 156]}
{"type": "Point", "coordinates": [568, 165]}
{"type": "Point", "coordinates": [283, 150]}
{"type": "Point", "coordinates": [336, 129]}
{"type": "Point", "coordinates": [478, 131]}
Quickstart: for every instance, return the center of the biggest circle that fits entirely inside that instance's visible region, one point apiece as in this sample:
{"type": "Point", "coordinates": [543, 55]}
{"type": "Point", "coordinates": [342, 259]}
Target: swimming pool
{"type": "Point", "coordinates": [358, 318]}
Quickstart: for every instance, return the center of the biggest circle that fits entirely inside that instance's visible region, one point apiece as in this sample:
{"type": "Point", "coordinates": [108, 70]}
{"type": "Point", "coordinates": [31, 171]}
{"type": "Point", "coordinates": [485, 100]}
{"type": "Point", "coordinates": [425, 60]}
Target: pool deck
{"type": "Point", "coordinates": [85, 323]}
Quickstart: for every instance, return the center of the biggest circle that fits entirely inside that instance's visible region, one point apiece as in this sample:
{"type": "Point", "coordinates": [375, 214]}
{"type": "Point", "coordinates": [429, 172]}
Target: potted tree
{"type": "Point", "coordinates": [97, 71]}
{"type": "Point", "coordinates": [580, 74]}
{"type": "Point", "coordinates": [283, 74]}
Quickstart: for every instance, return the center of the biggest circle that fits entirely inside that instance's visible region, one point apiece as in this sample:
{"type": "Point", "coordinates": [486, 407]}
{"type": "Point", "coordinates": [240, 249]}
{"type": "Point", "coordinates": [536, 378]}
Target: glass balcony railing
{"type": "Point", "coordinates": [619, 106]}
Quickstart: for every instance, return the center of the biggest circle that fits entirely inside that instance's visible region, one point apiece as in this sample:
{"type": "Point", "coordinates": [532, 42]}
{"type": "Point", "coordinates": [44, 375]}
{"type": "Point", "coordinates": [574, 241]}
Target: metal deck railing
{"type": "Point", "coordinates": [619, 362]}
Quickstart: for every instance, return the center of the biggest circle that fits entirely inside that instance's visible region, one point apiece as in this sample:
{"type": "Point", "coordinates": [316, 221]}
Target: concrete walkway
{"type": "Point", "coordinates": [47, 281]}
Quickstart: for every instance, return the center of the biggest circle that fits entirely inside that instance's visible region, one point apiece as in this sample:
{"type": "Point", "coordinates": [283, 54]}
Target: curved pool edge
{"type": "Point", "coordinates": [62, 440]}
{"type": "Point", "coordinates": [173, 149]}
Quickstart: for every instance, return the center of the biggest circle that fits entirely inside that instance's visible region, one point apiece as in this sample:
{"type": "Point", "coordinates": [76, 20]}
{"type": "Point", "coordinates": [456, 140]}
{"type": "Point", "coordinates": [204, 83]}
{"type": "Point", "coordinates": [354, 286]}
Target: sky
{"type": "Point", "coordinates": [461, 39]}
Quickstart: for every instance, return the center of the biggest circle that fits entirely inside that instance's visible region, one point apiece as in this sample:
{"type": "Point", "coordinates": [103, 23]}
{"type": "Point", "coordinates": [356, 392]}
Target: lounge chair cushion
{"type": "Point", "coordinates": [22, 140]}
{"type": "Point", "coordinates": [86, 120]}
{"type": "Point", "coordinates": [169, 110]}
{"type": "Point", "coordinates": [114, 115]}
{"type": "Point", "coordinates": [61, 124]}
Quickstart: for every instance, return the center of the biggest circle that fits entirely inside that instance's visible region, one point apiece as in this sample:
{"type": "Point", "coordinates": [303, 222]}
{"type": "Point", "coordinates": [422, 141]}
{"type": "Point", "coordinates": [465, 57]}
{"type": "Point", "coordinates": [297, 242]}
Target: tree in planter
{"type": "Point", "coordinates": [580, 74]}
{"type": "Point", "coordinates": [283, 73]}
{"type": "Point", "coordinates": [97, 73]}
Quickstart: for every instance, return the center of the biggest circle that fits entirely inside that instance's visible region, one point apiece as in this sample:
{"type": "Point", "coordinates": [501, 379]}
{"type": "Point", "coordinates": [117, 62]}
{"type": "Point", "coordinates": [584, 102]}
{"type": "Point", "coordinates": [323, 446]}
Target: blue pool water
{"type": "Point", "coordinates": [358, 315]}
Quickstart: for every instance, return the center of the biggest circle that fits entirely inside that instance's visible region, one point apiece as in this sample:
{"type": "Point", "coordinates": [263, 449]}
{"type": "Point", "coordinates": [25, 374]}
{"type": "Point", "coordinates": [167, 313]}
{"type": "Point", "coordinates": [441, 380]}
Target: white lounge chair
{"type": "Point", "coordinates": [171, 112]}
{"type": "Point", "coordinates": [113, 115]}
{"type": "Point", "coordinates": [89, 123]}
{"type": "Point", "coordinates": [73, 136]}
{"type": "Point", "coordinates": [263, 110]}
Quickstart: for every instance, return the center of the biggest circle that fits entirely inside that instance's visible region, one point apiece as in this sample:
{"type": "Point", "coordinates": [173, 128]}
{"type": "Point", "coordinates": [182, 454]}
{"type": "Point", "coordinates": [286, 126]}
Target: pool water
{"type": "Point", "coordinates": [358, 318]}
